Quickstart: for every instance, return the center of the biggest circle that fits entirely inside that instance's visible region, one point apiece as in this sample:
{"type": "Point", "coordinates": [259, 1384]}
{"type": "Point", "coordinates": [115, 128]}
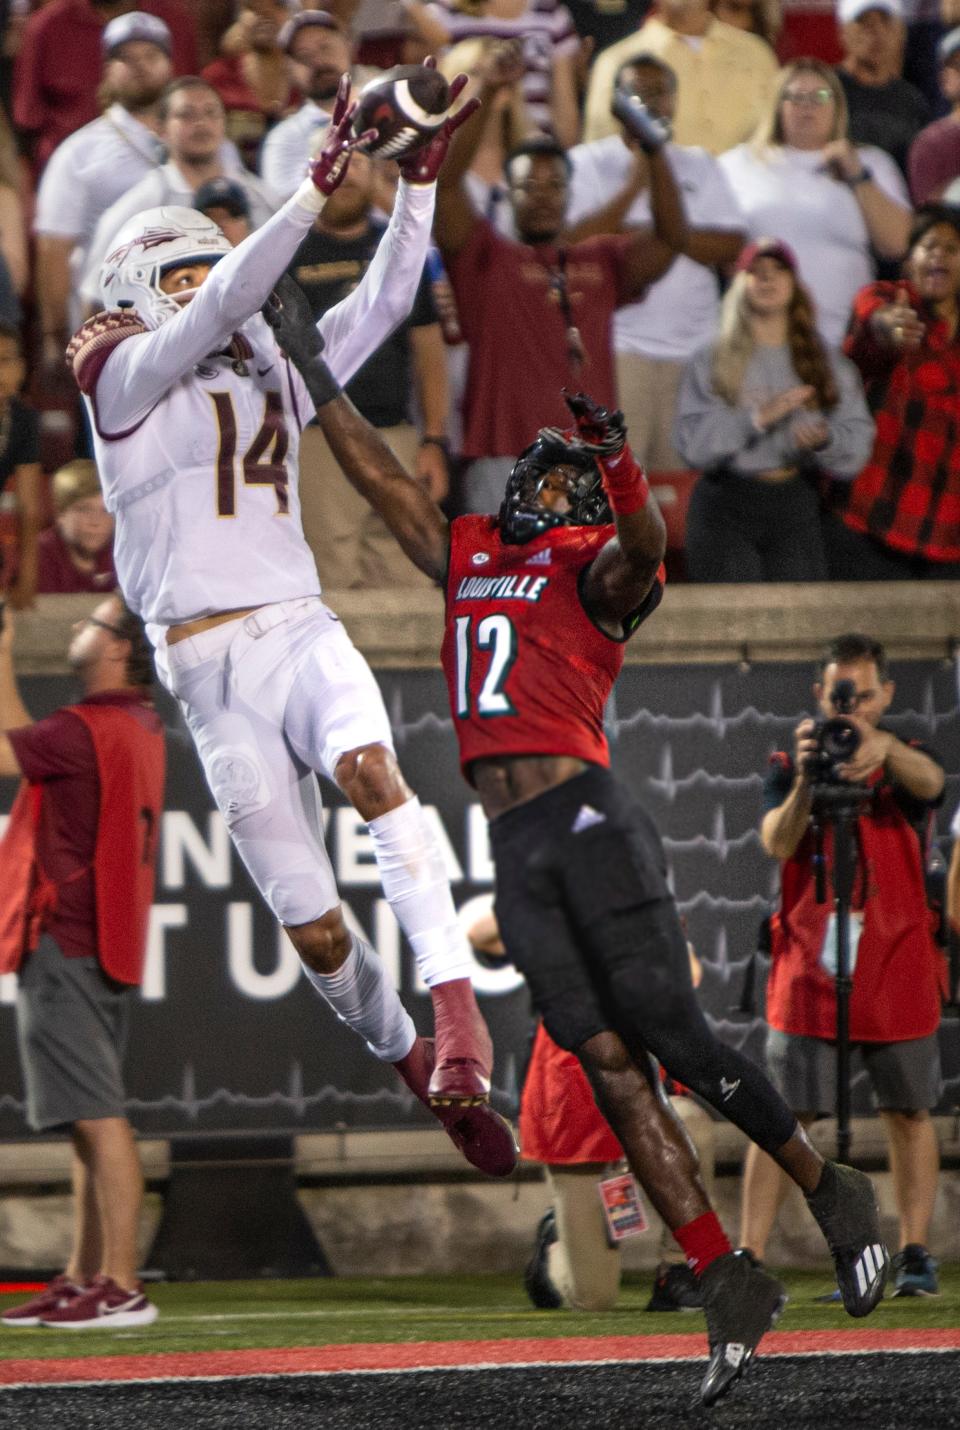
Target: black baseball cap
{"type": "Point", "coordinates": [222, 194]}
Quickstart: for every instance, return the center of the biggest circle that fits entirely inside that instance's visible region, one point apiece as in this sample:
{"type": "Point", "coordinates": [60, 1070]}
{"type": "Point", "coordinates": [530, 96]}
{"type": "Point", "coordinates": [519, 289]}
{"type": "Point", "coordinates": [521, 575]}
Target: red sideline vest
{"type": "Point", "coordinates": [560, 1123]}
{"type": "Point", "coordinates": [130, 764]}
{"type": "Point", "coordinates": [896, 980]}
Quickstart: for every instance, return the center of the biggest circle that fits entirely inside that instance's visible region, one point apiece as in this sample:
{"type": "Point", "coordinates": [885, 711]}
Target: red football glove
{"type": "Point", "coordinates": [423, 166]}
{"type": "Point", "coordinates": [330, 165]}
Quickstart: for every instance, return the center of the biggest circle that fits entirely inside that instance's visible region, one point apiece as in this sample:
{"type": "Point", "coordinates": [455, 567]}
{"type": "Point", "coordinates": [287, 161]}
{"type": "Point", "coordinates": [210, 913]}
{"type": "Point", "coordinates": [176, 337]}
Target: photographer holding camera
{"type": "Point", "coordinates": [893, 958]}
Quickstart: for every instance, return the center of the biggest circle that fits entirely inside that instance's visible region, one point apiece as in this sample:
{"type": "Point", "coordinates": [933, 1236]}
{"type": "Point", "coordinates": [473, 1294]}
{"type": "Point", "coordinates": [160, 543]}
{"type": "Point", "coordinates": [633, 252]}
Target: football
{"type": "Point", "coordinates": [406, 105]}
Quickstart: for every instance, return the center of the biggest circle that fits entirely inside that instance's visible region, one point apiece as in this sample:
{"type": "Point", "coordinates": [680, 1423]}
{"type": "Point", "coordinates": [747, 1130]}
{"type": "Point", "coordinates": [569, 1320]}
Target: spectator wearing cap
{"type": "Point", "coordinates": [883, 108]}
{"type": "Point", "coordinates": [934, 160]}
{"type": "Point", "coordinates": [318, 51]}
{"type": "Point", "coordinates": [76, 553]}
{"type": "Point", "coordinates": [92, 168]}
{"type": "Point", "coordinates": [653, 339]}
{"type": "Point", "coordinates": [900, 519]}
{"type": "Point", "coordinates": [192, 126]}
{"type": "Point", "coordinates": [252, 76]}
{"type": "Point", "coordinates": [59, 64]}
{"type": "Point", "coordinates": [764, 411]}
{"type": "Point", "coordinates": [802, 179]}
{"type": "Point", "coordinates": [724, 75]}
{"type": "Point", "coordinates": [225, 202]}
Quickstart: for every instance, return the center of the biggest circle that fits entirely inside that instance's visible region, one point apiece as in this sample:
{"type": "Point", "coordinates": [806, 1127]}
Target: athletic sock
{"type": "Point", "coordinates": [415, 882]}
{"type": "Point", "coordinates": [702, 1241]}
{"type": "Point", "coordinates": [825, 1192]}
{"type": "Point", "coordinates": [362, 996]}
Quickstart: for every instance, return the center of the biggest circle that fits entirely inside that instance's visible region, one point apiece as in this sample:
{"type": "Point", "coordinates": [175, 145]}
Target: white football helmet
{"type": "Point", "coordinates": [145, 248]}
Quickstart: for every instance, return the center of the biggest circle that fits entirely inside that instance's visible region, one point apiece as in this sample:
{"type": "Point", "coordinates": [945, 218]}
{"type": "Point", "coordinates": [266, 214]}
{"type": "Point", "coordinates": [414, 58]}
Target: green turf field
{"type": "Point", "coordinates": [202, 1316]}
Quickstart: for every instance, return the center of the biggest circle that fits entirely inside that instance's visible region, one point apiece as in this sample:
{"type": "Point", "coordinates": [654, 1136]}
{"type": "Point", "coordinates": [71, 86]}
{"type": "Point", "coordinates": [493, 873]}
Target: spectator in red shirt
{"type": "Point", "coordinates": [252, 77]}
{"type": "Point", "coordinates": [60, 61]}
{"type": "Point", "coordinates": [78, 857]}
{"type": "Point", "coordinates": [76, 553]}
{"type": "Point", "coordinates": [900, 518]}
{"type": "Point", "coordinates": [894, 964]}
{"type": "Point", "coordinates": [538, 313]}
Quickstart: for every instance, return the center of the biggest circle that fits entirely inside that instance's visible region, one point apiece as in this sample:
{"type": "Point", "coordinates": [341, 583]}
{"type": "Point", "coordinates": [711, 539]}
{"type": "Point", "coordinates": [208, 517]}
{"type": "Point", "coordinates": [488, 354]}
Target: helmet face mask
{"type": "Point", "coordinates": [149, 246]}
{"type": "Point", "coordinates": [524, 514]}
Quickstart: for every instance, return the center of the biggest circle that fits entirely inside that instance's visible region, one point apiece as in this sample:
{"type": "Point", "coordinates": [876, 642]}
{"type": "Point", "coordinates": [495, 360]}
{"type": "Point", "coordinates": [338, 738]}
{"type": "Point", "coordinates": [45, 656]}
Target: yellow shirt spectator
{"type": "Point", "coordinates": [725, 81]}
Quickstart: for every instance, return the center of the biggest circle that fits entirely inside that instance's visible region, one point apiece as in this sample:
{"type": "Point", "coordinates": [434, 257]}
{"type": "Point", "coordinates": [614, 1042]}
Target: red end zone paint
{"type": "Point", "coordinates": [431, 1355]}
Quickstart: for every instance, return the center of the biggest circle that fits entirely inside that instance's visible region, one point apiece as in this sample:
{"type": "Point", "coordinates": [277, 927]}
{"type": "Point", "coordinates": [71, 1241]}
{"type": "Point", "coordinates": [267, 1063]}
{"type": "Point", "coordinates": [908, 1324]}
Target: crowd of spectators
{"type": "Point", "coordinates": [571, 249]}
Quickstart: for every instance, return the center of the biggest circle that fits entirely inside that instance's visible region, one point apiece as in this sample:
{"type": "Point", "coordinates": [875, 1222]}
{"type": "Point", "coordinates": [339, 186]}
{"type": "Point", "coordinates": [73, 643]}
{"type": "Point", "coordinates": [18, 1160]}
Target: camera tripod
{"type": "Point", "coordinates": [839, 806]}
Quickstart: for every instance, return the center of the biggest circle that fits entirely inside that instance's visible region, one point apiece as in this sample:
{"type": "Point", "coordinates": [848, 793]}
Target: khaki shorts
{"type": "Point", "coordinates": [72, 1031]}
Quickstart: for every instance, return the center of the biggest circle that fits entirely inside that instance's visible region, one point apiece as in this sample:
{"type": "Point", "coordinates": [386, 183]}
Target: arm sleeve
{"type": "Point", "coordinates": [871, 357]}
{"type": "Point", "coordinates": [141, 369]}
{"type": "Point", "coordinates": [52, 748]}
{"type": "Point", "coordinates": [707, 430]}
{"type": "Point", "coordinates": [851, 426]}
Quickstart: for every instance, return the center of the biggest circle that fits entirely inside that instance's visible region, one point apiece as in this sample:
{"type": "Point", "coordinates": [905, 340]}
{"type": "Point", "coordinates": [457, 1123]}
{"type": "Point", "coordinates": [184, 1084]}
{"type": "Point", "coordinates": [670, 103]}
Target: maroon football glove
{"type": "Point", "coordinates": [330, 165]}
{"type": "Point", "coordinates": [604, 432]}
{"type": "Point", "coordinates": [423, 166]}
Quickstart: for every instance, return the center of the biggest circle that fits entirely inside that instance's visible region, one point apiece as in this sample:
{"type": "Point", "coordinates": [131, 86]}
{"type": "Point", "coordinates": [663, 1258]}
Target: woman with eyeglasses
{"type": "Point", "coordinates": [836, 205]}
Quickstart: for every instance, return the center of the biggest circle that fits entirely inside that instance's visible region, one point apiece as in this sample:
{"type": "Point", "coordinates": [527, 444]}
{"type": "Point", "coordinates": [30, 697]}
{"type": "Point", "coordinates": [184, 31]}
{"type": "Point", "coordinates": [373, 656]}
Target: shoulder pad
{"type": "Point", "coordinates": [92, 344]}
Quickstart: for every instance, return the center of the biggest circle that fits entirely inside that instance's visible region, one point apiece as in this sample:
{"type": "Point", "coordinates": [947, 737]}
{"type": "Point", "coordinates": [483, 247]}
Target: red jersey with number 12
{"type": "Point", "coordinates": [528, 672]}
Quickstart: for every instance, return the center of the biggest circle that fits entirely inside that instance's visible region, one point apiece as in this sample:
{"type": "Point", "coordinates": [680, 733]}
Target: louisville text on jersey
{"type": "Point", "coordinates": [502, 588]}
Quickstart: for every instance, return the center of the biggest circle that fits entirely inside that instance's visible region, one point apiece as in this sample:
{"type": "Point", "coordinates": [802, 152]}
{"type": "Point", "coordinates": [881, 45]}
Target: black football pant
{"type": "Point", "coordinates": [586, 915]}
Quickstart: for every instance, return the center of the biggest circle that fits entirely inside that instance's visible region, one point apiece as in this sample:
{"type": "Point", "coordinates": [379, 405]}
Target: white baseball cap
{"type": "Point", "coordinates": [136, 25]}
{"type": "Point", "coordinates": [849, 10]}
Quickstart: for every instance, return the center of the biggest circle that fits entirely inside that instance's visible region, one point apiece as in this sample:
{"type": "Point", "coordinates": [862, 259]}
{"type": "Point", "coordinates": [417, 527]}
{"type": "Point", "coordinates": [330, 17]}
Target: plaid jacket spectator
{"type": "Point", "coordinates": [908, 494]}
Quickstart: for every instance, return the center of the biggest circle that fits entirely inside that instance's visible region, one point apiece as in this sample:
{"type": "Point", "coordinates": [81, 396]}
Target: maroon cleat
{"type": "Point", "coordinates": [464, 1052]}
{"type": "Point", "coordinates": [483, 1137]}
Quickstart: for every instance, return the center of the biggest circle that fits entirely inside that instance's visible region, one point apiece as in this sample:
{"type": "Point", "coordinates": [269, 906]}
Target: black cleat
{"type": "Point", "coordinates": [845, 1208]}
{"type": "Point", "coordinates": [675, 1289]}
{"type": "Point", "coordinates": [536, 1281]}
{"type": "Point", "coordinates": [742, 1301]}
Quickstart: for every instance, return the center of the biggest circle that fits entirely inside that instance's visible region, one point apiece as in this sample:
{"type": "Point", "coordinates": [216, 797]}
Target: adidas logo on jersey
{"type": "Point", "coordinates": [586, 818]}
{"type": "Point", "coordinates": [542, 558]}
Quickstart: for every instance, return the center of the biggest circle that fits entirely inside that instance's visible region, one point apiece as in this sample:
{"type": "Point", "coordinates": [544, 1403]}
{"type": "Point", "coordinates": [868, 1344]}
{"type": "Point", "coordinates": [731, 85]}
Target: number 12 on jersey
{"type": "Point", "coordinates": [496, 634]}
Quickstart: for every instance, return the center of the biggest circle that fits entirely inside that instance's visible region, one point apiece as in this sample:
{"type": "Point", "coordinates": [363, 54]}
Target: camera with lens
{"type": "Point", "coordinates": [838, 738]}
